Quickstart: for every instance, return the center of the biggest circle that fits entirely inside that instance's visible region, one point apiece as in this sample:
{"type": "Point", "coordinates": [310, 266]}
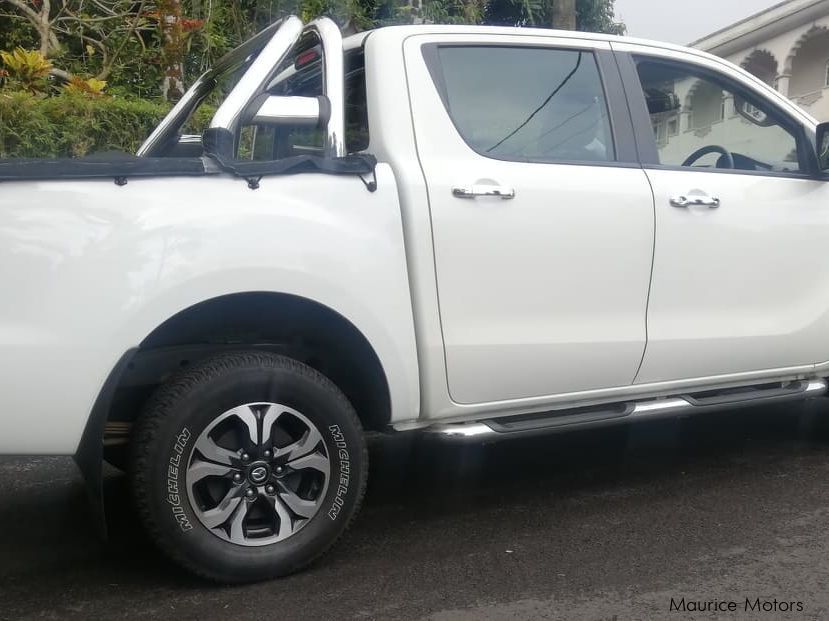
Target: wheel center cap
{"type": "Point", "coordinates": [258, 473]}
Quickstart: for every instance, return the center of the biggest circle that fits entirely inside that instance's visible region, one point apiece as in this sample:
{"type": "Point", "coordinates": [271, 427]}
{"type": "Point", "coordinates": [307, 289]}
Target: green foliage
{"type": "Point", "coordinates": [121, 41]}
{"type": "Point", "coordinates": [90, 87]}
{"type": "Point", "coordinates": [454, 11]}
{"type": "Point", "coordinates": [118, 44]}
{"type": "Point", "coordinates": [26, 70]}
{"type": "Point", "coordinates": [75, 124]}
{"type": "Point", "coordinates": [591, 15]}
{"type": "Point", "coordinates": [598, 16]}
{"type": "Point", "coordinates": [16, 33]}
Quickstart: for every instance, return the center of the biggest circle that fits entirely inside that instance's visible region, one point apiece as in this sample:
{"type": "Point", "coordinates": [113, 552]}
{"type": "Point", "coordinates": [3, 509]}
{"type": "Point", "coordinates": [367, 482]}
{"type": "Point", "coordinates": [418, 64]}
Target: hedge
{"type": "Point", "coordinates": [72, 125]}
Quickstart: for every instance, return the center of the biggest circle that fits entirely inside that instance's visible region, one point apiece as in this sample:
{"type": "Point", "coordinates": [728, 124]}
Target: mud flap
{"type": "Point", "coordinates": [90, 453]}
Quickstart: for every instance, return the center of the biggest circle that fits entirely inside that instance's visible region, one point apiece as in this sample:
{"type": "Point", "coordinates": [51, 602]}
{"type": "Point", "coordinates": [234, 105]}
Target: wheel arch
{"type": "Point", "coordinates": [298, 327]}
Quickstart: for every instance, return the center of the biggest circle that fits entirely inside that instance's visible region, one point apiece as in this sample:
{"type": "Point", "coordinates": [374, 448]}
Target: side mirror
{"type": "Point", "coordinates": [822, 143]}
{"type": "Point", "coordinates": [750, 113]}
{"type": "Point", "coordinates": [277, 110]}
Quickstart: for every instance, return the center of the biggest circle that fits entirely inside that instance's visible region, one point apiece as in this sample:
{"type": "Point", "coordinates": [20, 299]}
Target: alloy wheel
{"type": "Point", "coordinates": [258, 474]}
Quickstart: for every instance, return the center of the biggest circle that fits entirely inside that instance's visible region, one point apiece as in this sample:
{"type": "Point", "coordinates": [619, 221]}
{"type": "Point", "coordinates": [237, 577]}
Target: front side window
{"type": "Point", "coordinates": [719, 124]}
{"type": "Point", "coordinates": [526, 103]}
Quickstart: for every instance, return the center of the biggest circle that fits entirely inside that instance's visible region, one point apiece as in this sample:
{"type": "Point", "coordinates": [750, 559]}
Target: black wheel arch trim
{"type": "Point", "coordinates": [89, 455]}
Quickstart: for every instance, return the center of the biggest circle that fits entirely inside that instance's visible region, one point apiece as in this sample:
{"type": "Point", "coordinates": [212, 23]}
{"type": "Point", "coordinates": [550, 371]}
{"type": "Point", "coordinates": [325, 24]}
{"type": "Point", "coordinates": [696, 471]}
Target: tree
{"type": "Point", "coordinates": [598, 16]}
{"type": "Point", "coordinates": [96, 32]}
{"type": "Point", "coordinates": [38, 14]}
{"type": "Point", "coordinates": [591, 15]}
{"type": "Point", "coordinates": [564, 14]}
{"type": "Point", "coordinates": [152, 48]}
{"type": "Point", "coordinates": [172, 49]}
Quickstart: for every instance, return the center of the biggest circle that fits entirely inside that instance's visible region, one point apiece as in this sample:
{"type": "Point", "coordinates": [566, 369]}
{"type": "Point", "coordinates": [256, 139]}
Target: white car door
{"type": "Point", "coordinates": [542, 220]}
{"type": "Point", "coordinates": [740, 278]}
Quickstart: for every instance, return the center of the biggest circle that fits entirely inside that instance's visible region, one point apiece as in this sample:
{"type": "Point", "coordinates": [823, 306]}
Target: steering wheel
{"type": "Point", "coordinates": [712, 148]}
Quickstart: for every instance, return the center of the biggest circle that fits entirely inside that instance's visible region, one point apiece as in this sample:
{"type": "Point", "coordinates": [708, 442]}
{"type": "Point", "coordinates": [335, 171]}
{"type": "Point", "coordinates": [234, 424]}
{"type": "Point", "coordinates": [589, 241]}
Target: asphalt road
{"type": "Point", "coordinates": [612, 524]}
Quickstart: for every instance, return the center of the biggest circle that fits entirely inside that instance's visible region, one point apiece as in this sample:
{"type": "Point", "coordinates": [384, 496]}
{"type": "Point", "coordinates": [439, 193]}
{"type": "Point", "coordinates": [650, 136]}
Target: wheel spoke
{"type": "Point", "coordinates": [213, 518]}
{"type": "Point", "coordinates": [237, 523]}
{"type": "Point", "coordinates": [215, 453]}
{"type": "Point", "coordinates": [246, 414]}
{"type": "Point", "coordinates": [269, 419]}
{"type": "Point", "coordinates": [315, 461]}
{"type": "Point", "coordinates": [201, 469]}
{"type": "Point", "coordinates": [307, 443]}
{"type": "Point", "coordinates": [286, 523]}
{"type": "Point", "coordinates": [300, 506]}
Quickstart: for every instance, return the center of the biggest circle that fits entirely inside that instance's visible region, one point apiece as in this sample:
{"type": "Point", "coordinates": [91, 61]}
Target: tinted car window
{"type": "Point", "coordinates": [703, 120]}
{"type": "Point", "coordinates": [526, 103]}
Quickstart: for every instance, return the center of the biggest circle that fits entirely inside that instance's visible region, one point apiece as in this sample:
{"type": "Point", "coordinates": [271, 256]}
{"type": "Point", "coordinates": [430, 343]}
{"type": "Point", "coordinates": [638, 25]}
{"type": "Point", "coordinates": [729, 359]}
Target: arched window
{"type": "Point", "coordinates": [706, 105]}
{"type": "Point", "coordinates": [806, 63]}
{"type": "Point", "coordinates": [762, 64]}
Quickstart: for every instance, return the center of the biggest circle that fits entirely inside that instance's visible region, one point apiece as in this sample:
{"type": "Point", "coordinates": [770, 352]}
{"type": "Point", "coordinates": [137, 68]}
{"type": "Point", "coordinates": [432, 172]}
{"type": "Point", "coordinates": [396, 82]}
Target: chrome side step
{"type": "Point", "coordinates": [629, 411]}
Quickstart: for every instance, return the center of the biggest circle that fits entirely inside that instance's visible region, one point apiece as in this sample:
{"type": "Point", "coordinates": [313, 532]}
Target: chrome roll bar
{"type": "Point", "coordinates": [333, 82]}
{"type": "Point", "coordinates": [256, 78]}
{"type": "Point", "coordinates": [275, 43]}
{"type": "Point", "coordinates": [171, 124]}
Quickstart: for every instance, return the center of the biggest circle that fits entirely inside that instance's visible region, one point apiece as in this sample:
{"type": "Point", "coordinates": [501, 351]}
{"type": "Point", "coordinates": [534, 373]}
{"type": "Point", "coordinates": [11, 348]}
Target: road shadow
{"type": "Point", "coordinates": [431, 506]}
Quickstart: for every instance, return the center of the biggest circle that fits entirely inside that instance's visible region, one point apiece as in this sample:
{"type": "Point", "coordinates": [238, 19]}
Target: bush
{"type": "Point", "coordinates": [26, 69]}
{"type": "Point", "coordinates": [74, 124]}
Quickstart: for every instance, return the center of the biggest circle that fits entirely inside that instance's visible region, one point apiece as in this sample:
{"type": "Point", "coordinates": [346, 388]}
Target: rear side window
{"type": "Point", "coordinates": [525, 103]}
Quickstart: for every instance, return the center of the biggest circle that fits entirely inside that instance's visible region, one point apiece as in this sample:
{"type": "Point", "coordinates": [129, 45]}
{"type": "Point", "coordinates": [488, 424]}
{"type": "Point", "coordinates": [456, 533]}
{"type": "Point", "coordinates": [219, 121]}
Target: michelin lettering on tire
{"type": "Point", "coordinates": [344, 474]}
{"type": "Point", "coordinates": [174, 473]}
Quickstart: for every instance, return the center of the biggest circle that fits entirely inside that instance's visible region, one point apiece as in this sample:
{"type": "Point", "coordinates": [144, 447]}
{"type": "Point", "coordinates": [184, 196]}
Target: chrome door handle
{"type": "Point", "coordinates": [471, 191]}
{"type": "Point", "coordinates": [712, 202]}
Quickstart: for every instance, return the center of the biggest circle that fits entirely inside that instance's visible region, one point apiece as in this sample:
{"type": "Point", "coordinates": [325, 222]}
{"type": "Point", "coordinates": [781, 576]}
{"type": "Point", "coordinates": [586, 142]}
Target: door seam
{"type": "Point", "coordinates": [625, 79]}
{"type": "Point", "coordinates": [650, 281]}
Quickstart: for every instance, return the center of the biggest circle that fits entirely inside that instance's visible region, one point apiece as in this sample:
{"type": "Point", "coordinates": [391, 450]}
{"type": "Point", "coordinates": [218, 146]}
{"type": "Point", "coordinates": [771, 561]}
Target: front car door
{"type": "Point", "coordinates": [542, 220]}
{"type": "Point", "coordinates": [740, 279]}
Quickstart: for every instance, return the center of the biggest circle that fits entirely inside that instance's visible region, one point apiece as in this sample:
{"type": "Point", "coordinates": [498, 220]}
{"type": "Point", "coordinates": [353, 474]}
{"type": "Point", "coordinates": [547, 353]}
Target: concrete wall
{"type": "Point", "coordinates": [800, 55]}
{"type": "Point", "coordinates": [809, 66]}
{"type": "Point", "coordinates": [708, 117]}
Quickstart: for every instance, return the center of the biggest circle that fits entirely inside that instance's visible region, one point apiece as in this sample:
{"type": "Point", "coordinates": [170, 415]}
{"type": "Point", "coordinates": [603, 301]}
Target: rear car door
{"type": "Point", "coordinates": [740, 279]}
{"type": "Point", "coordinates": [542, 219]}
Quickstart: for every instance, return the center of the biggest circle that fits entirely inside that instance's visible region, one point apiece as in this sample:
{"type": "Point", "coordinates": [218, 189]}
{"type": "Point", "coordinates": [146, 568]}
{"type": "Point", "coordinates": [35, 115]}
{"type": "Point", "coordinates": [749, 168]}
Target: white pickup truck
{"type": "Point", "coordinates": [475, 232]}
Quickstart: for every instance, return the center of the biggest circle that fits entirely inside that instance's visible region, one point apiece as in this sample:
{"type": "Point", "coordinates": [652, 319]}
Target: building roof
{"type": "Point", "coordinates": [762, 26]}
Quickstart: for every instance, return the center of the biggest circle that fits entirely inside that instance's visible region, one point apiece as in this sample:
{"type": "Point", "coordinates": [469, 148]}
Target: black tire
{"type": "Point", "coordinates": [815, 419]}
{"type": "Point", "coordinates": [117, 456]}
{"type": "Point", "coordinates": [167, 431]}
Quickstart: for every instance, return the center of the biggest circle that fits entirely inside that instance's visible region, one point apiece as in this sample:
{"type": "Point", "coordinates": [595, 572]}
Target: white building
{"type": "Point", "coordinates": [786, 46]}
